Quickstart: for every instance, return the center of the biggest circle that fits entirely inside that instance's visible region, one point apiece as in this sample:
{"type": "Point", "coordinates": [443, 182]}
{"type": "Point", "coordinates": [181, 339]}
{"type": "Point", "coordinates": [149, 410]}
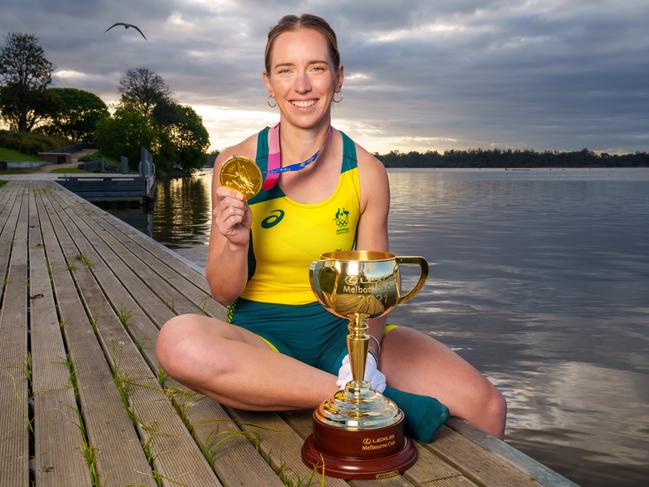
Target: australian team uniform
{"type": "Point", "coordinates": [286, 236]}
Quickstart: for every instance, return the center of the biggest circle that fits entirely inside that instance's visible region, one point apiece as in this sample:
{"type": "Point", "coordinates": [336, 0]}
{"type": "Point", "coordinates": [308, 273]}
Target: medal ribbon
{"type": "Point", "coordinates": [275, 159]}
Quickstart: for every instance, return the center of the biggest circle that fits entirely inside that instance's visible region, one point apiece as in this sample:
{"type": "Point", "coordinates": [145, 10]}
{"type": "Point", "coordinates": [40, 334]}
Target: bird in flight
{"type": "Point", "coordinates": [126, 26]}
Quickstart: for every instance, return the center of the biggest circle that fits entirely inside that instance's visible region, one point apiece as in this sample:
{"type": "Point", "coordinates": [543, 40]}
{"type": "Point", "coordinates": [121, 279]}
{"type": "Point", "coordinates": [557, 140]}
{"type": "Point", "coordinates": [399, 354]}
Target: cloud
{"type": "Point", "coordinates": [556, 74]}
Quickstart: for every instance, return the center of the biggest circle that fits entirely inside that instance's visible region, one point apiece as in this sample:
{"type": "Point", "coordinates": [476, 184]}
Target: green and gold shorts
{"type": "Point", "coordinates": [306, 332]}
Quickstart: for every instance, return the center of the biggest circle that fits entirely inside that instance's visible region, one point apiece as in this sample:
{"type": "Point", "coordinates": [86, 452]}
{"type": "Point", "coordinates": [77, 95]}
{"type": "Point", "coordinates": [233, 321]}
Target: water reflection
{"type": "Point", "coordinates": [538, 278]}
{"type": "Point", "coordinates": [182, 216]}
{"type": "Point", "coordinates": [543, 284]}
{"type": "Point", "coordinates": [594, 415]}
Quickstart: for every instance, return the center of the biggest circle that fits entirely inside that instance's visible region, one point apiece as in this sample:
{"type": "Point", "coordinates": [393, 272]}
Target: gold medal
{"type": "Point", "coordinates": [241, 174]}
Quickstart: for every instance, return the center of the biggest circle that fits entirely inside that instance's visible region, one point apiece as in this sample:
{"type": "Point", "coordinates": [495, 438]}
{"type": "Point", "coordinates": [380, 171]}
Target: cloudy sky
{"type": "Point", "coordinates": [427, 74]}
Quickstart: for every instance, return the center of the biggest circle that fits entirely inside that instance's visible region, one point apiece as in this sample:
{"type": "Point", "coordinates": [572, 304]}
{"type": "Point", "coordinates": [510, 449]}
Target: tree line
{"type": "Point", "coordinates": [146, 114]}
{"type": "Point", "coordinates": [508, 158]}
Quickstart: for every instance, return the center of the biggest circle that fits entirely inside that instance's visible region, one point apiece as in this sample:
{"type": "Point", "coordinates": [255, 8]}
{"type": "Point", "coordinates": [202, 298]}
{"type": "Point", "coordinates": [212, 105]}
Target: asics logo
{"type": "Point", "coordinates": [273, 219]}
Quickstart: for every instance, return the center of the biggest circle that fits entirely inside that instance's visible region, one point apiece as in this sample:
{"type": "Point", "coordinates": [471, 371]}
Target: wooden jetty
{"type": "Point", "coordinates": [83, 401]}
{"type": "Point", "coordinates": [111, 189]}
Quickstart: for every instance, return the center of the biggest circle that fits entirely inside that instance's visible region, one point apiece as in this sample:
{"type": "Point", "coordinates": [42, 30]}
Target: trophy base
{"type": "Point", "coordinates": [359, 454]}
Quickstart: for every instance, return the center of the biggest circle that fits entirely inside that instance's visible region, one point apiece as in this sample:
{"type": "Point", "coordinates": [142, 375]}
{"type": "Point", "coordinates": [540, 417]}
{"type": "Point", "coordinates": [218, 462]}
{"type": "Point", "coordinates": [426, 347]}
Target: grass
{"type": "Point", "coordinates": [170, 302]}
{"type": "Point", "coordinates": [14, 155]}
{"type": "Point", "coordinates": [83, 258]}
{"type": "Point", "coordinates": [292, 479]}
{"type": "Point", "coordinates": [3, 182]}
{"type": "Point", "coordinates": [147, 446]}
{"type": "Point", "coordinates": [203, 306]}
{"type": "Point", "coordinates": [124, 316]}
{"type": "Point", "coordinates": [148, 432]}
{"type": "Point", "coordinates": [27, 373]}
{"type": "Point", "coordinates": [27, 367]}
{"type": "Point", "coordinates": [88, 452]}
{"type": "Point", "coordinates": [162, 377]}
{"type": "Point", "coordinates": [123, 384]}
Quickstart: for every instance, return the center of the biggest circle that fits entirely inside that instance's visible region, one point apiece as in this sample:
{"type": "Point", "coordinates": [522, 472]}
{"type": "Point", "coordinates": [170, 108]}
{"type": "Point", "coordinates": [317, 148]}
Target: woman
{"type": "Point", "coordinates": [259, 254]}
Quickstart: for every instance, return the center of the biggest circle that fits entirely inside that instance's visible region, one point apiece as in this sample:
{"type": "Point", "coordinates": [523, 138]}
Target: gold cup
{"type": "Point", "coordinates": [358, 433]}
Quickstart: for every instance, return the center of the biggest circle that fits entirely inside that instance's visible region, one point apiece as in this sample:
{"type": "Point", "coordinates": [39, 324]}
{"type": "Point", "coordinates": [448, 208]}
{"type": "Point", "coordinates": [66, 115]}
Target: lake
{"type": "Point", "coordinates": [539, 278]}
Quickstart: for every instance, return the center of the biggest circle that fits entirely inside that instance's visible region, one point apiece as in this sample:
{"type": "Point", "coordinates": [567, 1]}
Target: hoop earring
{"type": "Point", "coordinates": [271, 97]}
{"type": "Point", "coordinates": [340, 98]}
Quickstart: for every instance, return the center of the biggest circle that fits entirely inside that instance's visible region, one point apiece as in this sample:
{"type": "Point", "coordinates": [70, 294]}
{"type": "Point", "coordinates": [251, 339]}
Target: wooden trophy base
{"type": "Point", "coordinates": [359, 454]}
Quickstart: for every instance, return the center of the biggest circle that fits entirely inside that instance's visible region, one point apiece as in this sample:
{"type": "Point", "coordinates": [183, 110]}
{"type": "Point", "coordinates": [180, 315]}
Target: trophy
{"type": "Point", "coordinates": [359, 433]}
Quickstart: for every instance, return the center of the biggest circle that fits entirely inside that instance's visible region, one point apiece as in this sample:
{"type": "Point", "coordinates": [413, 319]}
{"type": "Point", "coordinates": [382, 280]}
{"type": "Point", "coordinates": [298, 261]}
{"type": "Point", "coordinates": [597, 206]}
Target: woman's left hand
{"type": "Point", "coordinates": [372, 374]}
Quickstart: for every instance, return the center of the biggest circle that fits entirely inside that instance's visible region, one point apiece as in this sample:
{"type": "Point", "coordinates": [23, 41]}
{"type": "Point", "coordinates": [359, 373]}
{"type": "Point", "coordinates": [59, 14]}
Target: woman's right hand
{"type": "Point", "coordinates": [232, 216]}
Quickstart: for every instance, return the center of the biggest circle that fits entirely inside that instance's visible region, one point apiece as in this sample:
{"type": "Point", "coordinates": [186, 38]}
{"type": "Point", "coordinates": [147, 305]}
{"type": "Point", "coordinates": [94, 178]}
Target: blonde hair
{"type": "Point", "coordinates": [290, 23]}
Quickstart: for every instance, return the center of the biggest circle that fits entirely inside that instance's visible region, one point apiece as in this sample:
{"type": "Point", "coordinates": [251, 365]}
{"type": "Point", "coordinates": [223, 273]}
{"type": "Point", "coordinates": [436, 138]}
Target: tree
{"type": "Point", "coordinates": [75, 114]}
{"type": "Point", "coordinates": [182, 129]}
{"type": "Point", "coordinates": [24, 76]}
{"type": "Point", "coordinates": [124, 133]}
{"type": "Point", "coordinates": [143, 89]}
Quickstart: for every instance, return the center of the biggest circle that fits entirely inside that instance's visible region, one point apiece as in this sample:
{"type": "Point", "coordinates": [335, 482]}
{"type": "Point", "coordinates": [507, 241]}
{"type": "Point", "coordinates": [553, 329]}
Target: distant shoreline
{"type": "Point", "coordinates": [518, 169]}
{"type": "Point", "coordinates": [512, 159]}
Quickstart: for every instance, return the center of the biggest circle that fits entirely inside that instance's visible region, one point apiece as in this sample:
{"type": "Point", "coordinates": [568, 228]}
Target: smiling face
{"type": "Point", "coordinates": [303, 78]}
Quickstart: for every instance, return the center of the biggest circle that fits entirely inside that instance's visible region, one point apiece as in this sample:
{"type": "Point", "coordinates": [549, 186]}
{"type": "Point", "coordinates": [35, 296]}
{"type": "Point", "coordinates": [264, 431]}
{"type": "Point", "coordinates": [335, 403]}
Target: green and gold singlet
{"type": "Point", "coordinates": [286, 236]}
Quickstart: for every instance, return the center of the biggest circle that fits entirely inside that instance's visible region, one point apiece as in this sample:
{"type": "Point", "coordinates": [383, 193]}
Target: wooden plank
{"type": "Point", "coordinates": [8, 230]}
{"type": "Point", "coordinates": [6, 202]}
{"type": "Point", "coordinates": [200, 298]}
{"type": "Point", "coordinates": [142, 275]}
{"type": "Point", "coordinates": [429, 466]}
{"type": "Point", "coordinates": [291, 468]}
{"type": "Point", "coordinates": [188, 270]}
{"type": "Point", "coordinates": [421, 474]}
{"type": "Point", "coordinates": [14, 415]}
{"type": "Point", "coordinates": [176, 456]}
{"type": "Point", "coordinates": [281, 445]}
{"type": "Point", "coordinates": [235, 458]}
{"type": "Point", "coordinates": [477, 464]}
{"type": "Point", "coordinates": [144, 248]}
{"type": "Point", "coordinates": [142, 329]}
{"type": "Point", "coordinates": [57, 437]}
{"type": "Point", "coordinates": [288, 469]}
{"type": "Point", "coordinates": [8, 220]}
{"type": "Point", "coordinates": [156, 308]}
{"type": "Point", "coordinates": [430, 469]}
{"type": "Point", "coordinates": [518, 459]}
{"type": "Point", "coordinates": [451, 482]}
{"type": "Point", "coordinates": [120, 459]}
{"type": "Point", "coordinates": [397, 481]}
{"type": "Point", "coordinates": [301, 423]}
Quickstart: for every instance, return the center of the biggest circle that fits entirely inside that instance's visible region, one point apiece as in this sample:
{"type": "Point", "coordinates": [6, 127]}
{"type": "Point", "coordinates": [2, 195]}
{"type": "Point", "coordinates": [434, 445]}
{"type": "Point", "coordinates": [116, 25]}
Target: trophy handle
{"type": "Point", "coordinates": [423, 265]}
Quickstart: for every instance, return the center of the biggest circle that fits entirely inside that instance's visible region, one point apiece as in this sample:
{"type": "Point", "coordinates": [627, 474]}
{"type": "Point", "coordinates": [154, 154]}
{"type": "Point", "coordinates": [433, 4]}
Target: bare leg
{"type": "Point", "coordinates": [415, 362]}
{"type": "Point", "coordinates": [237, 368]}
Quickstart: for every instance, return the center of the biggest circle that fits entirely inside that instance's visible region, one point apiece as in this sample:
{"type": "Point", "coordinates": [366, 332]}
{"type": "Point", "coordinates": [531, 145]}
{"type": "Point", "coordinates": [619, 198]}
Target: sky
{"type": "Point", "coordinates": [420, 75]}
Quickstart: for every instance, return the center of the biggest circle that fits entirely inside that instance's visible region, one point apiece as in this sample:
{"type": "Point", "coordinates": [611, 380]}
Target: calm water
{"type": "Point", "coordinates": [539, 278]}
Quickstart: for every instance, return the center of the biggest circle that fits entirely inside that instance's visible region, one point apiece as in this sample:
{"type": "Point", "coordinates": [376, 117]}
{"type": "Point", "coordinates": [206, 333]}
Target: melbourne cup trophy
{"type": "Point", "coordinates": [359, 433]}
